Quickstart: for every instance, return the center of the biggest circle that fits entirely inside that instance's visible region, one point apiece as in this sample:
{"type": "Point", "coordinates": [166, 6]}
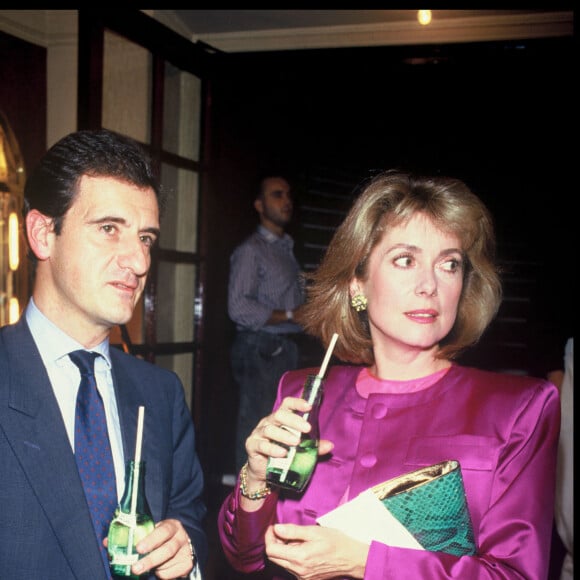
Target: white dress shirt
{"type": "Point", "coordinates": [54, 346]}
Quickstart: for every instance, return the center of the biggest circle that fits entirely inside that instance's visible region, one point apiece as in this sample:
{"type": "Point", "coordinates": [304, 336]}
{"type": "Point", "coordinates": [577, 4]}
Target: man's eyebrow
{"type": "Point", "coordinates": [155, 231]}
{"type": "Point", "coordinates": [119, 220]}
{"type": "Point", "coordinates": [109, 218]}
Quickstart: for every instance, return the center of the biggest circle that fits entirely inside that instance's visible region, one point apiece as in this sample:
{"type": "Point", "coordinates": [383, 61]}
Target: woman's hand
{"type": "Point", "coordinates": [283, 428]}
{"type": "Point", "coordinates": [315, 552]}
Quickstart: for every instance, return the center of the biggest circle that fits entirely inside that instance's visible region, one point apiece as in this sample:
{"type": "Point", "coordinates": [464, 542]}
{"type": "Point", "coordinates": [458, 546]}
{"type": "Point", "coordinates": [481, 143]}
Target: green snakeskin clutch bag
{"type": "Point", "coordinates": [431, 504]}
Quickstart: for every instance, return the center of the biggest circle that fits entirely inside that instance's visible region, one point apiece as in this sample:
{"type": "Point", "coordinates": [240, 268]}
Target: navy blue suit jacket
{"type": "Point", "coordinates": [45, 525]}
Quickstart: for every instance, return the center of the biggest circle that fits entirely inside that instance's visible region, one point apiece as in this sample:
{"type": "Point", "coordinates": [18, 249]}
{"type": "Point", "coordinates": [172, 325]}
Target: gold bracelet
{"type": "Point", "coordinates": [260, 494]}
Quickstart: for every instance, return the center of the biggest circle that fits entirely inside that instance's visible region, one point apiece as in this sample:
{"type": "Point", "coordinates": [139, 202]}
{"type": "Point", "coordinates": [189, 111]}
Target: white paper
{"type": "Point", "coordinates": [366, 518]}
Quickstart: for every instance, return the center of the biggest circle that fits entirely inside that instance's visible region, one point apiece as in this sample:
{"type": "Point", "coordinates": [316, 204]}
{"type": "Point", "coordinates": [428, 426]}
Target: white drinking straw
{"type": "Point", "coordinates": [317, 381]}
{"type": "Point", "coordinates": [140, 420]}
{"type": "Point", "coordinates": [327, 355]}
{"type": "Point", "coordinates": [138, 443]}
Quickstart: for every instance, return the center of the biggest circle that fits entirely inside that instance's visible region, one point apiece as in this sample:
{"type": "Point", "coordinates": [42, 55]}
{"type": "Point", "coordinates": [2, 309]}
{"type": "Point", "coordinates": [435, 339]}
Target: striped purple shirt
{"type": "Point", "coordinates": [264, 276]}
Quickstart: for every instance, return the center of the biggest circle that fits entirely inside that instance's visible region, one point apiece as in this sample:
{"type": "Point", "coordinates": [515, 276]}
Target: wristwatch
{"type": "Point", "coordinates": [289, 315]}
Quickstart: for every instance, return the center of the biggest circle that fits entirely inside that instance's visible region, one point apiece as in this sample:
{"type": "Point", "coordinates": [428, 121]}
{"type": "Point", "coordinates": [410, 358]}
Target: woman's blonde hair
{"type": "Point", "coordinates": [389, 199]}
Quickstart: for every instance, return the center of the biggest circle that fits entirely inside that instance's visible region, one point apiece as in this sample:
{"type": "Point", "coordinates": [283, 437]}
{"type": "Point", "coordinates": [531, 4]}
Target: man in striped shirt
{"type": "Point", "coordinates": [265, 289]}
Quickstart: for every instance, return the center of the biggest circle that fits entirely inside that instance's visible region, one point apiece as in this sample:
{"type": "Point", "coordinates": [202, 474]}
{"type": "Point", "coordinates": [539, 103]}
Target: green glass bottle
{"type": "Point", "coordinates": [131, 523]}
{"type": "Point", "coordinates": [294, 471]}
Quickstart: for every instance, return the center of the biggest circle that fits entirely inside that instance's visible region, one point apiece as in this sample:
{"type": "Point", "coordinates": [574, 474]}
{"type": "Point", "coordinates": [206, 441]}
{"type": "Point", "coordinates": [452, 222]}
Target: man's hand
{"type": "Point", "coordinates": [169, 551]}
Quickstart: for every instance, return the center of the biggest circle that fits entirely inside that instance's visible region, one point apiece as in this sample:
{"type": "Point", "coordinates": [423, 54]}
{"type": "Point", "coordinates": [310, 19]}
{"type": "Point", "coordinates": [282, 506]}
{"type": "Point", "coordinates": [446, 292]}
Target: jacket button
{"type": "Point", "coordinates": [379, 411]}
{"type": "Point", "coordinates": [368, 460]}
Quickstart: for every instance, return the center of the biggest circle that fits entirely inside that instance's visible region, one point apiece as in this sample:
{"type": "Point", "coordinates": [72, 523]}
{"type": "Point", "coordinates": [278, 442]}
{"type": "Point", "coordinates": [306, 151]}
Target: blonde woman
{"type": "Point", "coordinates": [408, 282]}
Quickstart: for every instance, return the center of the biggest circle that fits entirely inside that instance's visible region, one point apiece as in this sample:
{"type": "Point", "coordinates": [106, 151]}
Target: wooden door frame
{"type": "Point", "coordinates": [165, 46]}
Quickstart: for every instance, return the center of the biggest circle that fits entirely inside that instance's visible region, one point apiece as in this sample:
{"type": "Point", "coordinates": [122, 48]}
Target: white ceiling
{"type": "Point", "coordinates": [259, 30]}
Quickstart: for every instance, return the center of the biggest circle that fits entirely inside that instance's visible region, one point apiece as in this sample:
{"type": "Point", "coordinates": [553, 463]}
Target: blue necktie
{"type": "Point", "coordinates": [93, 450]}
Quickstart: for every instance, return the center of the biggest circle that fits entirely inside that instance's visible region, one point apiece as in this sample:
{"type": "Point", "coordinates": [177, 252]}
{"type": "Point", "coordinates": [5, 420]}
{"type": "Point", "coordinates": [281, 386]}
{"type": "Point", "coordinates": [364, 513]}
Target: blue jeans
{"type": "Point", "coordinates": [258, 361]}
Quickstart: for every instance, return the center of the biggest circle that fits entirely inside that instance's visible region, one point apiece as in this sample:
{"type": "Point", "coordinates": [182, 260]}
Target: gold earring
{"type": "Point", "coordinates": [359, 302]}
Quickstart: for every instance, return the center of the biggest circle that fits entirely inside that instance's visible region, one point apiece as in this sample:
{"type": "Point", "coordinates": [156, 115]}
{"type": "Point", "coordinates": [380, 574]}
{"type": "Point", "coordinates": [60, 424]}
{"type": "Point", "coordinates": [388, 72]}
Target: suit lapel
{"type": "Point", "coordinates": [35, 431]}
{"type": "Point", "coordinates": [127, 405]}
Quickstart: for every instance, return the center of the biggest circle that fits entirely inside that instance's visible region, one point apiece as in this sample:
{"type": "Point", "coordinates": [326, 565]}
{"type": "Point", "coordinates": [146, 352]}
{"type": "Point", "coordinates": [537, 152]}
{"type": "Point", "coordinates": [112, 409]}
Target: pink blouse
{"type": "Point", "coordinates": [366, 383]}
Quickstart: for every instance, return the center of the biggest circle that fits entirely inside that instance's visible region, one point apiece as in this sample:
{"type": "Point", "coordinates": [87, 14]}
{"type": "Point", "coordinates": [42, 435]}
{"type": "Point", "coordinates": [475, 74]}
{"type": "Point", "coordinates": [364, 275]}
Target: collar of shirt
{"type": "Point", "coordinates": [272, 238]}
{"type": "Point", "coordinates": [54, 346]}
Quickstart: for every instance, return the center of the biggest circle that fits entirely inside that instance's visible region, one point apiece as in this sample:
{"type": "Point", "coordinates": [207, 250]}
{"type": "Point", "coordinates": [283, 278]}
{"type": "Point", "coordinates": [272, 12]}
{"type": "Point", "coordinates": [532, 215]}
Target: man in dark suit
{"type": "Point", "coordinates": [92, 217]}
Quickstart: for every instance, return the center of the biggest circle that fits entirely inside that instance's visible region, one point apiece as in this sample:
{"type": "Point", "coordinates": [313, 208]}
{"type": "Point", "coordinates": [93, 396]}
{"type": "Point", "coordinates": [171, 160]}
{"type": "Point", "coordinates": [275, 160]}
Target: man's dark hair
{"type": "Point", "coordinates": [53, 185]}
{"type": "Point", "coordinates": [261, 184]}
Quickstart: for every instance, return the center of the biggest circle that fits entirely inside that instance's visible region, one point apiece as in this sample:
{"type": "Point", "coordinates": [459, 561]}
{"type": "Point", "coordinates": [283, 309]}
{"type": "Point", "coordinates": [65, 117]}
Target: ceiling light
{"type": "Point", "coordinates": [424, 17]}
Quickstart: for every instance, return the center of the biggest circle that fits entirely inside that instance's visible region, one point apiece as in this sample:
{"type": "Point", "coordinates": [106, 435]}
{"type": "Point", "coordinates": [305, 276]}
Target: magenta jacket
{"type": "Point", "coordinates": [503, 429]}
